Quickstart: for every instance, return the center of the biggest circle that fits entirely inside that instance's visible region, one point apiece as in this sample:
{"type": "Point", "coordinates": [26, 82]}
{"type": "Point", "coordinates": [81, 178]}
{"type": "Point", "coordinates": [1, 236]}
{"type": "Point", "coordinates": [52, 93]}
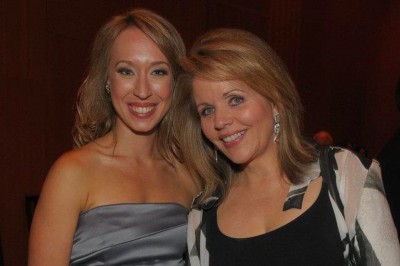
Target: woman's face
{"type": "Point", "coordinates": [236, 119]}
{"type": "Point", "coordinates": [140, 78]}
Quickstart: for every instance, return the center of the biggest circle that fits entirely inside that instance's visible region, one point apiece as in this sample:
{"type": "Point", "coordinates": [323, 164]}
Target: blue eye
{"type": "Point", "coordinates": [125, 71]}
{"type": "Point", "coordinates": [206, 111]}
{"type": "Point", "coordinates": [236, 100]}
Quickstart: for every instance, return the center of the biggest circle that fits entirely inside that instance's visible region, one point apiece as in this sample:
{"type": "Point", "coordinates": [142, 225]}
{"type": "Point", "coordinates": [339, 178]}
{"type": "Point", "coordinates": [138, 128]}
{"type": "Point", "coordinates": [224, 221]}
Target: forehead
{"type": "Point", "coordinates": [133, 42]}
{"type": "Point", "coordinates": [205, 86]}
{"type": "Point", "coordinates": [211, 91]}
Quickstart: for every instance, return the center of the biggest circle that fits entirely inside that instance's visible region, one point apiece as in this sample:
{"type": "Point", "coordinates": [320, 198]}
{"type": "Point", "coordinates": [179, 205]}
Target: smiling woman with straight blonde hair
{"type": "Point", "coordinates": [269, 198]}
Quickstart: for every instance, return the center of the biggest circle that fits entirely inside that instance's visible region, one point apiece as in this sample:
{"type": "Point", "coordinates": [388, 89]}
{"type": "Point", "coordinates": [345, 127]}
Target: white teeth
{"type": "Point", "coordinates": [143, 110]}
{"type": "Point", "coordinates": [233, 137]}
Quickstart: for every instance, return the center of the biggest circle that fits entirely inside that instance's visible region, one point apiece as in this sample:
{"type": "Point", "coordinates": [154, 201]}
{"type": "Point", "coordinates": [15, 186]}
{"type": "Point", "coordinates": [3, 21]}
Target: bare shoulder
{"type": "Point", "coordinates": [72, 166]}
{"type": "Point", "coordinates": [77, 165]}
{"type": "Point", "coordinates": [67, 179]}
{"type": "Point", "coordinates": [67, 184]}
{"type": "Point", "coordinates": [62, 199]}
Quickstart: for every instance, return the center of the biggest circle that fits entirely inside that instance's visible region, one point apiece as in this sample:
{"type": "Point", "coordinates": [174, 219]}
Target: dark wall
{"type": "Point", "coordinates": [344, 56]}
{"type": "Point", "coordinates": [381, 116]}
{"type": "Point", "coordinates": [350, 63]}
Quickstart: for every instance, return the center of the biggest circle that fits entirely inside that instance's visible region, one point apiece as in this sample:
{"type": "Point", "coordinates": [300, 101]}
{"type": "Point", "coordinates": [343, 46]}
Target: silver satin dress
{"type": "Point", "coordinates": [131, 234]}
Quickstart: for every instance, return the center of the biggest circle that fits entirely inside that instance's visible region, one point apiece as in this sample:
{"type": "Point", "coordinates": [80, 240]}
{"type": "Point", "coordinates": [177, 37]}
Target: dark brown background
{"type": "Point", "coordinates": [343, 54]}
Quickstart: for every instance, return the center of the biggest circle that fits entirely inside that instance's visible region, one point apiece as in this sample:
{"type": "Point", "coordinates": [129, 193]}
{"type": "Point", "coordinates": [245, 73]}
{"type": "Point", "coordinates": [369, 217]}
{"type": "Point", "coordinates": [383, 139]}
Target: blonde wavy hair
{"type": "Point", "coordinates": [233, 54]}
{"type": "Point", "coordinates": [95, 115]}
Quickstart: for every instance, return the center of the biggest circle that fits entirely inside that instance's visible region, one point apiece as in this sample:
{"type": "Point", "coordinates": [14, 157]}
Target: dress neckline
{"type": "Point", "coordinates": [135, 204]}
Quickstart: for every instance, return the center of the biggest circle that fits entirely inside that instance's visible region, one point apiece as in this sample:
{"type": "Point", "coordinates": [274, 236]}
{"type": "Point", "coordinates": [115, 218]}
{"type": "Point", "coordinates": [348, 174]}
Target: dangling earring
{"type": "Point", "coordinates": [216, 154]}
{"type": "Point", "coordinates": [277, 127]}
{"type": "Point", "coordinates": [108, 88]}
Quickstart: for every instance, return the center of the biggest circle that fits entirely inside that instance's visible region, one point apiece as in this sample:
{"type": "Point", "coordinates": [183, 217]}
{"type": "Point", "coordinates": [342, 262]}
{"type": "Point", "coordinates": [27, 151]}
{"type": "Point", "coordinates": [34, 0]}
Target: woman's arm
{"type": "Point", "coordinates": [54, 222]}
{"type": "Point", "coordinates": [376, 228]}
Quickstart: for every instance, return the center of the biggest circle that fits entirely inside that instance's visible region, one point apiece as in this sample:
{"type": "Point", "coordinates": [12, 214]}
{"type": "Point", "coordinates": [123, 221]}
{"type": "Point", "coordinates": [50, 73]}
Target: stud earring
{"type": "Point", "coordinates": [277, 127]}
{"type": "Point", "coordinates": [108, 88]}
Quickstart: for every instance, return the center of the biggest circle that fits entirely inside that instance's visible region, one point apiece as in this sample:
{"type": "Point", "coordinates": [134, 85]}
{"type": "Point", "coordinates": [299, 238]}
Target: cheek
{"type": "Point", "coordinates": [252, 116]}
{"type": "Point", "coordinates": [163, 90]}
{"type": "Point", "coordinates": [119, 86]}
{"type": "Point", "coordinates": [261, 118]}
{"type": "Point", "coordinates": [206, 128]}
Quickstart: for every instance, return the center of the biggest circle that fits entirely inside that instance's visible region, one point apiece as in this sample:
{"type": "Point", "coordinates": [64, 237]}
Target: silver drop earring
{"type": "Point", "coordinates": [277, 127]}
{"type": "Point", "coordinates": [216, 154]}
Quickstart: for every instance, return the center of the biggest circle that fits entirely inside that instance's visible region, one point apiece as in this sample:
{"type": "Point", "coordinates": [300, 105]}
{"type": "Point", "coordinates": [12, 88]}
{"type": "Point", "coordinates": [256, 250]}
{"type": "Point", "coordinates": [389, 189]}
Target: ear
{"type": "Point", "coordinates": [274, 109]}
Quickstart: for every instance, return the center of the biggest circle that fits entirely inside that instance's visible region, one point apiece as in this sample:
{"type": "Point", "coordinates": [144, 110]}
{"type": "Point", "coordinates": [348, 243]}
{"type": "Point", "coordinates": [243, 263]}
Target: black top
{"type": "Point", "coordinates": [310, 239]}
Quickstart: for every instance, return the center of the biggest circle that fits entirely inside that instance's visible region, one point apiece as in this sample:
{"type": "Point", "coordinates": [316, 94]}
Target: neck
{"type": "Point", "coordinates": [136, 145]}
{"type": "Point", "coordinates": [264, 172]}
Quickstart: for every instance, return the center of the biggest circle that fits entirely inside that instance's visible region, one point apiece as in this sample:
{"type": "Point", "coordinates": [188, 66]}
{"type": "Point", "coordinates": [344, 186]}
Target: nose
{"type": "Point", "coordinates": [142, 87]}
{"type": "Point", "coordinates": [222, 119]}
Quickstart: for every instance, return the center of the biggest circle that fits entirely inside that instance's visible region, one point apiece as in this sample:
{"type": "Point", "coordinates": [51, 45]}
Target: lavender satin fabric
{"type": "Point", "coordinates": [131, 234]}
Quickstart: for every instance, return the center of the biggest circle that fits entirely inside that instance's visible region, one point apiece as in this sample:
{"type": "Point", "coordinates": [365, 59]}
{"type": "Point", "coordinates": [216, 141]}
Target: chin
{"type": "Point", "coordinates": [240, 160]}
{"type": "Point", "coordinates": [145, 130]}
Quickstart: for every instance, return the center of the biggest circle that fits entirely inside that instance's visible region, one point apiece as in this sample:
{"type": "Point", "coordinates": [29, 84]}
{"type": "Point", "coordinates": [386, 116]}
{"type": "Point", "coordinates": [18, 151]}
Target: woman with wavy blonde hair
{"type": "Point", "coordinates": [121, 197]}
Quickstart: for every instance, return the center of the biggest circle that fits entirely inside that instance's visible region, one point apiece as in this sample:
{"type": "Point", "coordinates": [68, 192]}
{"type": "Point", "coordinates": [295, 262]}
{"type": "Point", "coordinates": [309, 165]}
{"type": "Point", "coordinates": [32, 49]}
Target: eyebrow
{"type": "Point", "coordinates": [201, 104]}
{"type": "Point", "coordinates": [223, 94]}
{"type": "Point", "coordinates": [152, 63]}
{"type": "Point", "coordinates": [230, 91]}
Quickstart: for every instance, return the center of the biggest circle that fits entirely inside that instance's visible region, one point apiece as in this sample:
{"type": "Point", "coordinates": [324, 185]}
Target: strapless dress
{"type": "Point", "coordinates": [131, 234]}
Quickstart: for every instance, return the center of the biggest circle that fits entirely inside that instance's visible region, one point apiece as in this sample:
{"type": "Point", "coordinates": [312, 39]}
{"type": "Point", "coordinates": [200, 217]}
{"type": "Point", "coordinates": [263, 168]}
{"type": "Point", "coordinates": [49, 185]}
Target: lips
{"type": "Point", "coordinates": [233, 139]}
{"type": "Point", "coordinates": [142, 110]}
